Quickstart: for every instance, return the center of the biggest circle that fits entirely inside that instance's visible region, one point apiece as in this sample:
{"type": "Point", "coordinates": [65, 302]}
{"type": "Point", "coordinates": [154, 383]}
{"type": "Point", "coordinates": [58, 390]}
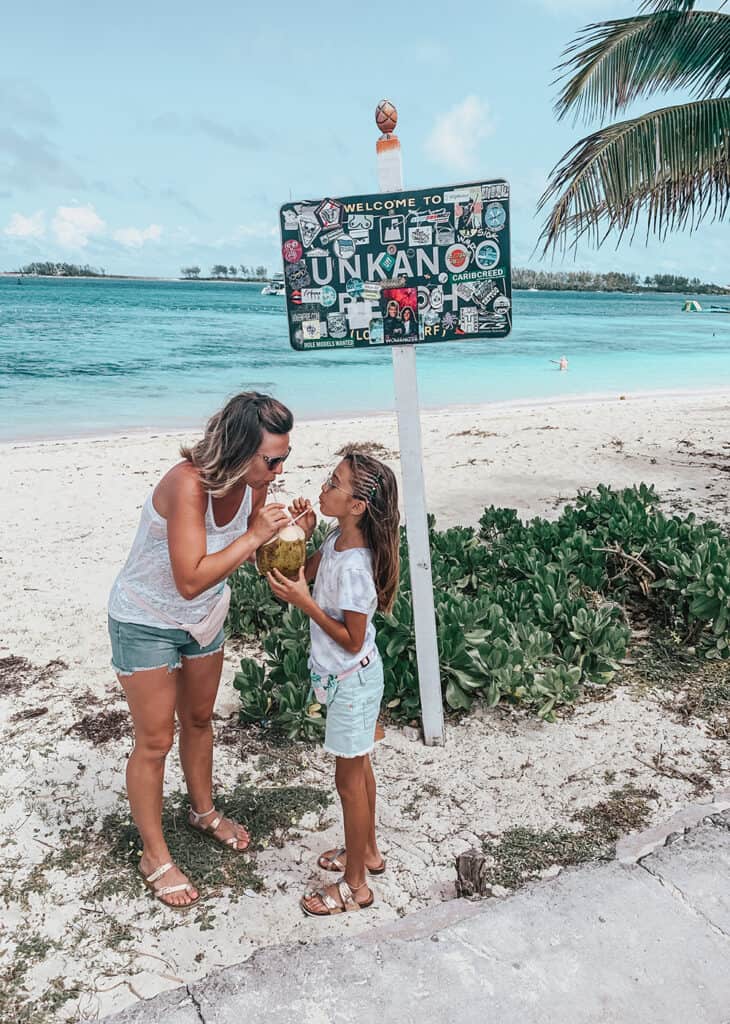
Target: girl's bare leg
{"type": "Point", "coordinates": [350, 779]}
{"type": "Point", "coordinates": [151, 695]}
{"type": "Point", "coordinates": [373, 856]}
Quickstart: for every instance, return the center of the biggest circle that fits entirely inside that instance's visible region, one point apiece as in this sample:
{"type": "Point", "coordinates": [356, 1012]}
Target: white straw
{"type": "Point", "coordinates": [301, 514]}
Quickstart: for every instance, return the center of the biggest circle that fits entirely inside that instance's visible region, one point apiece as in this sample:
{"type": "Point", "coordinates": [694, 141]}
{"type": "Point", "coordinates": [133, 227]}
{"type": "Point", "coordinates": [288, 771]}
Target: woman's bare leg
{"type": "Point", "coordinates": [151, 695]}
{"type": "Point", "coordinates": [197, 690]}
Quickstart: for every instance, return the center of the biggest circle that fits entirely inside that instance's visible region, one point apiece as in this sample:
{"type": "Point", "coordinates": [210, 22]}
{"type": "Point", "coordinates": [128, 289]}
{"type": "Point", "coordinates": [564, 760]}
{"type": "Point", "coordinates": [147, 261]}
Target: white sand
{"type": "Point", "coordinates": [70, 509]}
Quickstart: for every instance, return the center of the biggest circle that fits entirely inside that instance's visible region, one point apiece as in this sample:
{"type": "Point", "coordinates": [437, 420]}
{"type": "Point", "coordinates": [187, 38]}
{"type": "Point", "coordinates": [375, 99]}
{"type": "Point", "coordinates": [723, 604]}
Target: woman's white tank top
{"type": "Point", "coordinates": [148, 572]}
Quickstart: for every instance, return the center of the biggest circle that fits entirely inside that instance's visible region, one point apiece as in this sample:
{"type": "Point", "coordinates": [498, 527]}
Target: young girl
{"type": "Point", "coordinates": [355, 573]}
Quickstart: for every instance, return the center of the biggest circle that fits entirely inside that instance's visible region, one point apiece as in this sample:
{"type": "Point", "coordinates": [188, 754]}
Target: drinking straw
{"type": "Point", "coordinates": [308, 509]}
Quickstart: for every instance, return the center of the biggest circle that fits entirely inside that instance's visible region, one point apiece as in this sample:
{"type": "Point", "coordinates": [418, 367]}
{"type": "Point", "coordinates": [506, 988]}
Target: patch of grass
{"type": "Point", "coordinates": [625, 810]}
{"type": "Point", "coordinates": [693, 686]}
{"type": "Point", "coordinates": [280, 767]}
{"type": "Point", "coordinates": [29, 950]}
{"type": "Point", "coordinates": [413, 808]}
{"type": "Point", "coordinates": [522, 853]}
{"type": "Point", "coordinates": [257, 740]}
{"type": "Point", "coordinates": [55, 995]}
{"type": "Point", "coordinates": [14, 891]}
{"type": "Point", "coordinates": [109, 857]}
{"type": "Point", "coordinates": [266, 813]}
{"type": "Point", "coordinates": [116, 933]}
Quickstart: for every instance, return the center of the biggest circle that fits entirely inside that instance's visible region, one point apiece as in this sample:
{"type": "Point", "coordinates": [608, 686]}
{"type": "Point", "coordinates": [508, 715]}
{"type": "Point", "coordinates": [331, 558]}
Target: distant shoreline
{"type": "Point", "coordinates": [186, 428]}
{"type": "Point", "coordinates": [133, 277]}
{"type": "Point", "coordinates": [702, 293]}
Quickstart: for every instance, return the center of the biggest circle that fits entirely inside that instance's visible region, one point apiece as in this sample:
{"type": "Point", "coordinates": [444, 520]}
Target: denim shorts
{"type": "Point", "coordinates": [353, 712]}
{"type": "Point", "coordinates": [136, 647]}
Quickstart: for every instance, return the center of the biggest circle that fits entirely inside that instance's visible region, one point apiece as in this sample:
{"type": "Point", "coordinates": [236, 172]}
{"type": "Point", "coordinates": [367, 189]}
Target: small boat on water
{"type": "Point", "coordinates": [720, 309]}
{"type": "Point", "coordinates": [275, 286]}
{"type": "Point", "coordinates": [691, 306]}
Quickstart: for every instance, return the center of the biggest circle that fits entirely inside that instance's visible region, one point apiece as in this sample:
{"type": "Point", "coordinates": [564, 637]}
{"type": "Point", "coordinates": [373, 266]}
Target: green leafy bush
{"type": "Point", "coordinates": [527, 613]}
{"type": "Point", "coordinates": [254, 609]}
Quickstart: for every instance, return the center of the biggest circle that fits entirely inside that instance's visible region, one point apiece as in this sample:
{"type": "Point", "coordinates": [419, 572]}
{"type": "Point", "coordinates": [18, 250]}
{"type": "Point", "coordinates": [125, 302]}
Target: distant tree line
{"type": "Point", "coordinates": [522, 277]}
{"type": "Point", "coordinates": [49, 269]}
{"type": "Point", "coordinates": [585, 281]}
{"type": "Point", "coordinates": [222, 272]}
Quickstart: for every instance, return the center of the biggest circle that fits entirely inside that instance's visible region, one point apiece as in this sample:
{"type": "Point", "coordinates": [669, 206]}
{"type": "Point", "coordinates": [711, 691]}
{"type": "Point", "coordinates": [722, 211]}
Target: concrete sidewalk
{"type": "Point", "coordinates": [611, 943]}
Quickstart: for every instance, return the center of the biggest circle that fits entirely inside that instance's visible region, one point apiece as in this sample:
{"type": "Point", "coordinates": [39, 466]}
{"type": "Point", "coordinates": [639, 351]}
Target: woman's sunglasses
{"type": "Point", "coordinates": [273, 461]}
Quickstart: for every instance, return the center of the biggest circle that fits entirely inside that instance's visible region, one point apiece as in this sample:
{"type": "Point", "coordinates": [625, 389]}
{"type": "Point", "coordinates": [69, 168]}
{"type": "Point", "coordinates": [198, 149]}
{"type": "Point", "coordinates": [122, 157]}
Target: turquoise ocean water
{"type": "Point", "coordinates": [79, 357]}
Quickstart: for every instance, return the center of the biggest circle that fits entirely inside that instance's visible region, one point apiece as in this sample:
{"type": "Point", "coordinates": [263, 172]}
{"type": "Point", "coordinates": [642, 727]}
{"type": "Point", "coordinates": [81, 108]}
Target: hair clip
{"type": "Point", "coordinates": [374, 488]}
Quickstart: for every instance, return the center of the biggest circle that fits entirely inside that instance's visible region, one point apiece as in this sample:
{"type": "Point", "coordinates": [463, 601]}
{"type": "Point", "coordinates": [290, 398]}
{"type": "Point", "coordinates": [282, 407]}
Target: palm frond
{"type": "Point", "coordinates": [672, 165]}
{"type": "Point", "coordinates": [668, 5]}
{"type": "Point", "coordinates": [614, 62]}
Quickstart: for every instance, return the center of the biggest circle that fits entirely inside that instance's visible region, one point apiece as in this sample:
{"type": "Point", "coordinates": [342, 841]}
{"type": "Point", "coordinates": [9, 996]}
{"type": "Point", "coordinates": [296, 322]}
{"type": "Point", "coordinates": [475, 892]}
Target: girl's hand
{"type": "Point", "coordinates": [309, 519]}
{"type": "Point", "coordinates": [267, 522]}
{"type": "Point", "coordinates": [294, 592]}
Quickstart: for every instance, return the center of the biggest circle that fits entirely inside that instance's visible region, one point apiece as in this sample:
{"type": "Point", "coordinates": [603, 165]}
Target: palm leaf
{"type": "Point", "coordinates": [673, 165]}
{"type": "Point", "coordinates": [680, 5]}
{"type": "Point", "coordinates": [668, 5]}
{"type": "Point", "coordinates": [614, 62]}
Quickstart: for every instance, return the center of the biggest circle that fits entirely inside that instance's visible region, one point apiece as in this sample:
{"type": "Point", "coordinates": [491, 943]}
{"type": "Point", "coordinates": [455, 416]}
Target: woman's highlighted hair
{"type": "Point", "coordinates": [232, 437]}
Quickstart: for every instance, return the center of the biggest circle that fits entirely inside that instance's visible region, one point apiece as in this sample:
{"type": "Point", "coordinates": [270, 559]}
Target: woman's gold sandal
{"type": "Point", "coordinates": [210, 829]}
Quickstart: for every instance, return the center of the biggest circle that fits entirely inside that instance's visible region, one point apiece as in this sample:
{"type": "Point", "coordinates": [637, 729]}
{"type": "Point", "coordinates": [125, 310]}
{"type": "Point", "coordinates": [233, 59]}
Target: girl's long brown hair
{"type": "Point", "coordinates": [375, 484]}
{"type": "Point", "coordinates": [232, 437]}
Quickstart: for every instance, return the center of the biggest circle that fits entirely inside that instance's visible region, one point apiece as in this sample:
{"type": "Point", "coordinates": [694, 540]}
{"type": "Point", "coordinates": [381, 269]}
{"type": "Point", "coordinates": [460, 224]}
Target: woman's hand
{"type": "Point", "coordinates": [266, 523]}
{"type": "Point", "coordinates": [308, 521]}
{"type": "Point", "coordinates": [294, 592]}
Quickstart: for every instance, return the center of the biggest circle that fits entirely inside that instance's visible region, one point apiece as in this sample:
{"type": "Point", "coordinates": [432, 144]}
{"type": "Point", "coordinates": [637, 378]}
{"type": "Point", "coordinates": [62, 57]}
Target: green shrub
{"type": "Point", "coordinates": [527, 613]}
{"type": "Point", "coordinates": [254, 609]}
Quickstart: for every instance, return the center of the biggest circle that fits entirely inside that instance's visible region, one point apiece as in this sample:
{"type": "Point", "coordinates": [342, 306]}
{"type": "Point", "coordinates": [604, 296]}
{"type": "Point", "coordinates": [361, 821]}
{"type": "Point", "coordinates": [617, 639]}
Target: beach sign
{"type": "Point", "coordinates": [398, 268]}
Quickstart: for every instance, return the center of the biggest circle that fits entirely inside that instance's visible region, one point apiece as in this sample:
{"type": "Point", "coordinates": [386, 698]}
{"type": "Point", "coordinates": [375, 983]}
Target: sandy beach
{"type": "Point", "coordinates": [70, 509]}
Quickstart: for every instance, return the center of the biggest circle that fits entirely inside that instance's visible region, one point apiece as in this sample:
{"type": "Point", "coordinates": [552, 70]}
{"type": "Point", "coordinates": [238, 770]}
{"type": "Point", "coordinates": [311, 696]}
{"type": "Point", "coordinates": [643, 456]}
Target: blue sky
{"type": "Point", "coordinates": [145, 136]}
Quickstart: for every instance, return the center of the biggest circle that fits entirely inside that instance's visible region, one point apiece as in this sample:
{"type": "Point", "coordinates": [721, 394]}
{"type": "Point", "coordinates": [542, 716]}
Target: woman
{"type": "Point", "coordinates": [409, 323]}
{"type": "Point", "coordinates": [204, 519]}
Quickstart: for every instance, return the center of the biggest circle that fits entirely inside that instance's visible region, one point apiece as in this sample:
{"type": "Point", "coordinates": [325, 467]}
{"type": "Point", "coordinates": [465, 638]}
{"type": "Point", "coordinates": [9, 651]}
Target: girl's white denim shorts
{"type": "Point", "coordinates": [353, 712]}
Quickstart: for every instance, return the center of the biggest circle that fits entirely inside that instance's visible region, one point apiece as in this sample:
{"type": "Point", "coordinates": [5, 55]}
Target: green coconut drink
{"type": "Point", "coordinates": [287, 552]}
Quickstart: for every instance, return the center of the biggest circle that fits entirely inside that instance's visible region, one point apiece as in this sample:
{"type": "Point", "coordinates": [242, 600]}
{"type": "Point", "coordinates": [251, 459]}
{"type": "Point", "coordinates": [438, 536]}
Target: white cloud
{"type": "Point", "coordinates": [456, 134]}
{"type": "Point", "coordinates": [26, 227]}
{"type": "Point", "coordinates": [134, 238]}
{"type": "Point", "coordinates": [74, 225]}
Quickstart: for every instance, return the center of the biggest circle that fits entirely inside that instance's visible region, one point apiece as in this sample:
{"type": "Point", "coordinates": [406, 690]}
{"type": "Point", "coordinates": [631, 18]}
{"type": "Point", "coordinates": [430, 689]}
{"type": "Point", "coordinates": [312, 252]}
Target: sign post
{"type": "Point", "coordinates": [401, 268]}
{"type": "Point", "coordinates": [405, 379]}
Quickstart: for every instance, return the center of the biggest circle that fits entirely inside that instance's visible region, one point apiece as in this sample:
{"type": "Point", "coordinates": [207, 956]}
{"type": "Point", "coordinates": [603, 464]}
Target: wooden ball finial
{"type": "Point", "coordinates": [386, 117]}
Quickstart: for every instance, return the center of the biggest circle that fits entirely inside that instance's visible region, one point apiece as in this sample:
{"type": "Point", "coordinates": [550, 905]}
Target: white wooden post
{"type": "Point", "coordinates": [390, 179]}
